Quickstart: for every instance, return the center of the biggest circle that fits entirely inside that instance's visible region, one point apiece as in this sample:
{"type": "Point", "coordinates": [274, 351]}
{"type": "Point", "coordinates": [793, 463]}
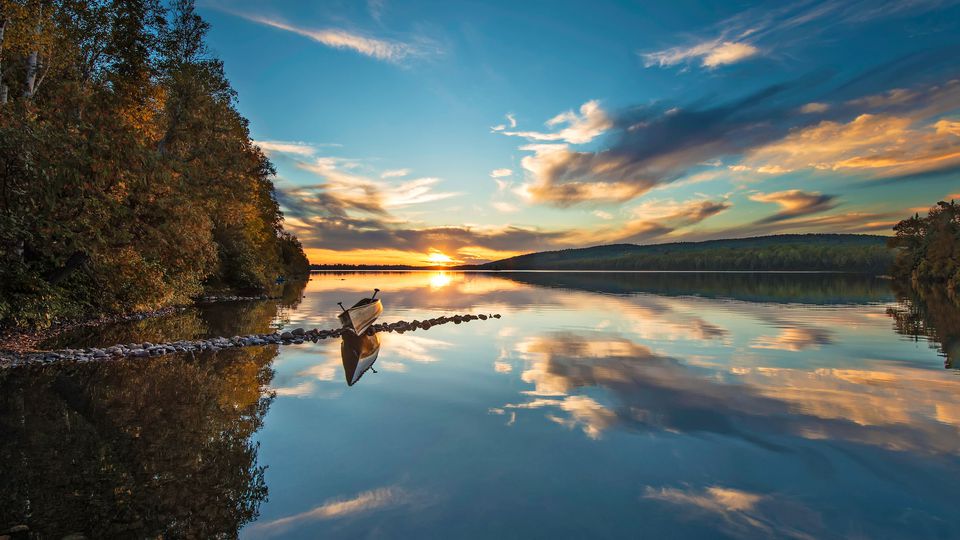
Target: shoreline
{"type": "Point", "coordinates": [17, 341]}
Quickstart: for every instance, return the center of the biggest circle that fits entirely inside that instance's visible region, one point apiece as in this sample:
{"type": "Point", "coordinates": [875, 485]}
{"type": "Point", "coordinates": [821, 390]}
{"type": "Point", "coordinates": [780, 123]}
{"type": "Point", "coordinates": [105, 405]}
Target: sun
{"type": "Point", "coordinates": [436, 257]}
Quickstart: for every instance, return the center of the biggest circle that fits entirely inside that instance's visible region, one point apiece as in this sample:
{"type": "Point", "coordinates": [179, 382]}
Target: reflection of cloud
{"type": "Point", "coordinates": [338, 508]}
{"type": "Point", "coordinates": [742, 513]}
{"type": "Point", "coordinates": [713, 499]}
{"type": "Point", "coordinates": [502, 367]}
{"type": "Point", "coordinates": [794, 338]}
{"type": "Point", "coordinates": [299, 390]}
{"type": "Point", "coordinates": [413, 348]}
{"type": "Point", "coordinates": [584, 411]}
{"type": "Point", "coordinates": [888, 406]}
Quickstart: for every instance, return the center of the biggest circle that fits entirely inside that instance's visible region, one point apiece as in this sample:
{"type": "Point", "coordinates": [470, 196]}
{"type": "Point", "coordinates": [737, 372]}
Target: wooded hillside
{"type": "Point", "coordinates": [839, 252]}
{"type": "Point", "coordinates": [128, 179]}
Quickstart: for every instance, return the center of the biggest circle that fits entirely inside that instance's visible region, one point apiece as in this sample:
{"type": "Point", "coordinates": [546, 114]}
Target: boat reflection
{"type": "Point", "coordinates": [358, 354]}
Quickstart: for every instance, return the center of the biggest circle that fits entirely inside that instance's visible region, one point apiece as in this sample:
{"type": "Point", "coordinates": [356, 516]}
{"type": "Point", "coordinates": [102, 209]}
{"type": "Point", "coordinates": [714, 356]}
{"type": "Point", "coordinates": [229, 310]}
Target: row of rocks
{"type": "Point", "coordinates": [280, 337]}
{"type": "Point", "coordinates": [404, 326]}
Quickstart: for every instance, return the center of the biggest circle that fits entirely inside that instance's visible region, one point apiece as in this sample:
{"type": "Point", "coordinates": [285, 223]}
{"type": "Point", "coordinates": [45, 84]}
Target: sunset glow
{"type": "Point", "coordinates": [436, 257]}
{"type": "Point", "coordinates": [712, 126]}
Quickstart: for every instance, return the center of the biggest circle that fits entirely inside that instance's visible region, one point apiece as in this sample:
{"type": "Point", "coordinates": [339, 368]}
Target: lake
{"type": "Point", "coordinates": [677, 405]}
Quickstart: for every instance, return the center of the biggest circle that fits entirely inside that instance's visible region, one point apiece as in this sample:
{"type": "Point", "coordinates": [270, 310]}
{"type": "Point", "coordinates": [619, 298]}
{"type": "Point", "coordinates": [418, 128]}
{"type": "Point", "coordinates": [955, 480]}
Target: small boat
{"type": "Point", "coordinates": [359, 317]}
{"type": "Point", "coordinates": [358, 354]}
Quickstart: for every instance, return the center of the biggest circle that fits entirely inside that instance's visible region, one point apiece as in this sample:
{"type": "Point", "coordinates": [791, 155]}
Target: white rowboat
{"type": "Point", "coordinates": [358, 318]}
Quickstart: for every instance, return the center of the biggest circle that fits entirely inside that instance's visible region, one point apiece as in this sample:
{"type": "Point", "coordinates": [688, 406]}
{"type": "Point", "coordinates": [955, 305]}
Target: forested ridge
{"type": "Point", "coordinates": [128, 179]}
{"type": "Point", "coordinates": [824, 252]}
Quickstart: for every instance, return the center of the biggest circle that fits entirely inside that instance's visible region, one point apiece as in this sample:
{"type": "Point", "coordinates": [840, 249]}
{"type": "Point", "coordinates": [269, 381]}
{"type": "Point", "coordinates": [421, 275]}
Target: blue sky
{"type": "Point", "coordinates": [420, 131]}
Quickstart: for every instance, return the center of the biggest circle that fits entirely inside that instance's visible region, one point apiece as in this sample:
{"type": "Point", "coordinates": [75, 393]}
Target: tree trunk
{"type": "Point", "coordinates": [31, 74]}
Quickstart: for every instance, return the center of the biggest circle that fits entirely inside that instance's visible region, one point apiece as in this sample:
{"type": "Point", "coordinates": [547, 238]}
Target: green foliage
{"type": "Point", "coordinates": [812, 252]}
{"type": "Point", "coordinates": [128, 179]}
{"type": "Point", "coordinates": [929, 247]}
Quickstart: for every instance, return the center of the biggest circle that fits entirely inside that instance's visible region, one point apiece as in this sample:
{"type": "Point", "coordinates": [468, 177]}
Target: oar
{"type": "Point", "coordinates": [341, 306]}
{"type": "Point", "coordinates": [375, 291]}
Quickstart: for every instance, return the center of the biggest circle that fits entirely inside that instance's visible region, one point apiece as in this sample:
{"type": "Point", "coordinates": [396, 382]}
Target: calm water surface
{"type": "Point", "coordinates": [662, 405]}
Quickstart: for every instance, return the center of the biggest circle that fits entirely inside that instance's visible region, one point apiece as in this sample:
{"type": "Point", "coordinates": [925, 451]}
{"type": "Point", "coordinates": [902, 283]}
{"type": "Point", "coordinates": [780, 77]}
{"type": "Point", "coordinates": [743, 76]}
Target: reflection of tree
{"type": "Point", "coordinates": [932, 313]}
{"type": "Point", "coordinates": [132, 448]}
{"type": "Point", "coordinates": [759, 287]}
{"type": "Point", "coordinates": [216, 319]}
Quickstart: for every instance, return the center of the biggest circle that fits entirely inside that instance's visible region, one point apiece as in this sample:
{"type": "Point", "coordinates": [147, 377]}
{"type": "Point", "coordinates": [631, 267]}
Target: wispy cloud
{"type": "Point", "coordinates": [511, 122]}
{"type": "Point", "coordinates": [294, 148]}
{"type": "Point", "coordinates": [590, 123]}
{"type": "Point", "coordinates": [795, 203]}
{"type": "Point", "coordinates": [500, 173]}
{"type": "Point", "coordinates": [753, 31]}
{"type": "Point", "coordinates": [711, 54]}
{"type": "Point", "coordinates": [395, 173]}
{"type": "Point", "coordinates": [337, 38]}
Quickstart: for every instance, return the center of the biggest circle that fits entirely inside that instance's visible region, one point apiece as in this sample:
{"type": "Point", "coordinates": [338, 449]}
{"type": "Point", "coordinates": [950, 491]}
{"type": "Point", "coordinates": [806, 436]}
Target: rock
{"type": "Point", "coordinates": [297, 331]}
{"type": "Point", "coordinates": [496, 316]}
{"type": "Point", "coordinates": [286, 336]}
{"type": "Point", "coordinates": [483, 317]}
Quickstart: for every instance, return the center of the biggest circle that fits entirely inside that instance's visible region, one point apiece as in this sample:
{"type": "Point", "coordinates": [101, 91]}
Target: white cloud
{"type": "Point", "coordinates": [500, 173]}
{"type": "Point", "coordinates": [580, 128]}
{"type": "Point", "coordinates": [286, 147]}
{"type": "Point", "coordinates": [511, 120]}
{"type": "Point", "coordinates": [712, 54]}
{"type": "Point", "coordinates": [395, 173]}
{"type": "Point", "coordinates": [505, 207]}
{"type": "Point", "coordinates": [602, 215]}
{"type": "Point", "coordinates": [381, 49]}
{"type": "Point", "coordinates": [812, 108]}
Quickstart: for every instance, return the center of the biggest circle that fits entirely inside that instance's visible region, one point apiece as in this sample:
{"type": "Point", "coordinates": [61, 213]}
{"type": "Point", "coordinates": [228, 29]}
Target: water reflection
{"type": "Point", "coordinates": [133, 448]}
{"type": "Point", "coordinates": [933, 315]}
{"type": "Point", "coordinates": [205, 320]}
{"type": "Point", "coordinates": [358, 354]}
{"type": "Point", "coordinates": [884, 404]}
{"type": "Point", "coordinates": [604, 405]}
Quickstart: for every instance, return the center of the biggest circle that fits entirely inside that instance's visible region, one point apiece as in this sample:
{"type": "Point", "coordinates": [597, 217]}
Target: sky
{"type": "Point", "coordinates": [422, 132]}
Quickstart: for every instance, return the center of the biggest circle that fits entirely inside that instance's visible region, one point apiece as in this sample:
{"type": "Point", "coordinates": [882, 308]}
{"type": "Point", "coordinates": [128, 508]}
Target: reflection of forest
{"type": "Point", "coordinates": [930, 313]}
{"type": "Point", "coordinates": [134, 449]}
{"type": "Point", "coordinates": [208, 320]}
{"type": "Point", "coordinates": [810, 288]}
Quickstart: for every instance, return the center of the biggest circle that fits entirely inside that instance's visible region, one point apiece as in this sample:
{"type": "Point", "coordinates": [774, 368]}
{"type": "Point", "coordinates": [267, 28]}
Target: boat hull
{"type": "Point", "coordinates": [359, 318]}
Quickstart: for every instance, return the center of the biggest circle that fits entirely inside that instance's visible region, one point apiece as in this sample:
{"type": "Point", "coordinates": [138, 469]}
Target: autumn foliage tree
{"type": "Point", "coordinates": [929, 247]}
{"type": "Point", "coordinates": [128, 179]}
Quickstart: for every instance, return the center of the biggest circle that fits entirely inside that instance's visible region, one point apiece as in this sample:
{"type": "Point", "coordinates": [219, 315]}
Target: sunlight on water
{"type": "Point", "coordinates": [680, 405]}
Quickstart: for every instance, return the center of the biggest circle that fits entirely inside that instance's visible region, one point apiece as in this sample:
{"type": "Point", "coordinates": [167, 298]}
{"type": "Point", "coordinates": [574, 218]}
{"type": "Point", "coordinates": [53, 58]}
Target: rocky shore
{"type": "Point", "coordinates": [280, 337]}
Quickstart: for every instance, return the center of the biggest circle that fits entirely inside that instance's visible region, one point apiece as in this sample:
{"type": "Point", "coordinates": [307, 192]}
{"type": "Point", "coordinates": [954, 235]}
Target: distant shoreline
{"type": "Point", "coordinates": [479, 271]}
